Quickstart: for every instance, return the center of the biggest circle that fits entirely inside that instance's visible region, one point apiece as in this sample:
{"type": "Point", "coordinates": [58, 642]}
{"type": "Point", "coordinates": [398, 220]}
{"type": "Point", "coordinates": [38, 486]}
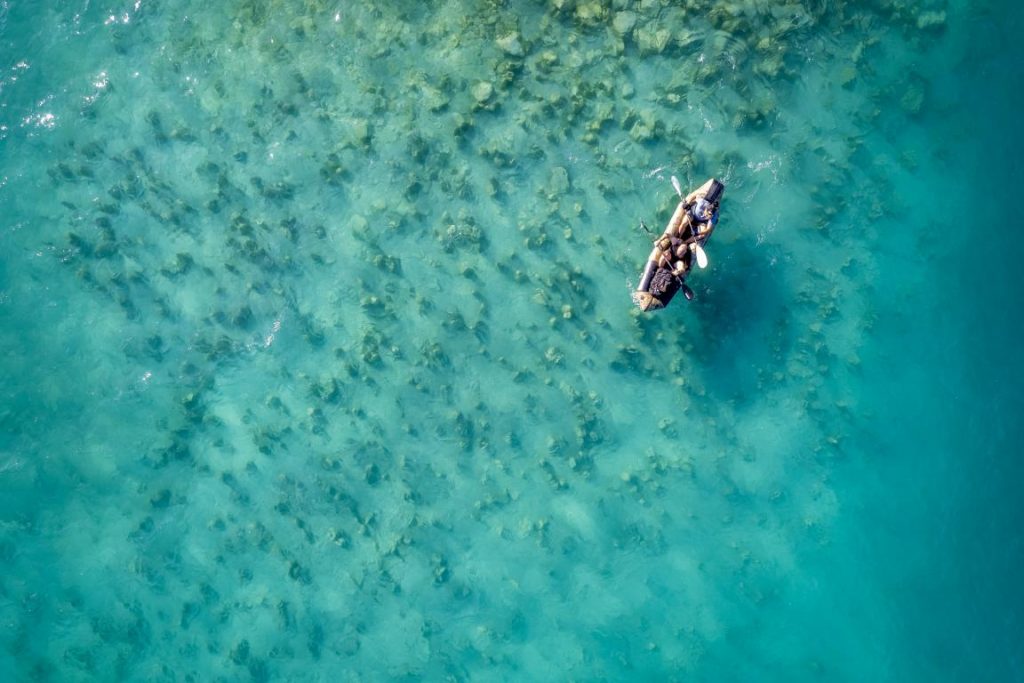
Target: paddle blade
{"type": "Point", "coordinates": [702, 257]}
{"type": "Point", "coordinates": [675, 184]}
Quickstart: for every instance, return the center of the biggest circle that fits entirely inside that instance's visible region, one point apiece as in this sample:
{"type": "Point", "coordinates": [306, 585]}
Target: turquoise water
{"type": "Point", "coordinates": [319, 361]}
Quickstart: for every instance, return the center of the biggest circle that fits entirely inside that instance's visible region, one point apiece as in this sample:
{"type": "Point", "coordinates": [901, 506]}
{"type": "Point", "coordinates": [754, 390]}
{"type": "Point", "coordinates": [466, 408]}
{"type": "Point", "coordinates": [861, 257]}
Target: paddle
{"type": "Point", "coordinates": [702, 257]}
{"type": "Point", "coordinates": [679, 190]}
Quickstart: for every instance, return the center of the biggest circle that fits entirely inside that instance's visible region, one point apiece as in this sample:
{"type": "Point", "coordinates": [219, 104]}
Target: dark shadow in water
{"type": "Point", "coordinates": [744, 331]}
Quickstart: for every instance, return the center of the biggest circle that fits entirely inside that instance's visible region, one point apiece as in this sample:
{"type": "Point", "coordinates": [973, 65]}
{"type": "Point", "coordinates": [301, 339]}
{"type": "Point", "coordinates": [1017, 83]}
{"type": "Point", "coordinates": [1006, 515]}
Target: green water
{"type": "Point", "coordinates": [319, 361]}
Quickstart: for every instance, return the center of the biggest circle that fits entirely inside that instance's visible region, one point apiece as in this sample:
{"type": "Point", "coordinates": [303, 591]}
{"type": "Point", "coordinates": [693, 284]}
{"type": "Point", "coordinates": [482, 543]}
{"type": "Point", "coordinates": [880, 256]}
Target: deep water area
{"type": "Point", "coordinates": [318, 359]}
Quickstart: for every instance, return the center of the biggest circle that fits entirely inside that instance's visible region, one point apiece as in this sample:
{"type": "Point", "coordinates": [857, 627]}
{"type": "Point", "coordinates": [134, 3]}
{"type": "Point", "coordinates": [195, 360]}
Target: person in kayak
{"type": "Point", "coordinates": [679, 252]}
{"type": "Point", "coordinates": [674, 252]}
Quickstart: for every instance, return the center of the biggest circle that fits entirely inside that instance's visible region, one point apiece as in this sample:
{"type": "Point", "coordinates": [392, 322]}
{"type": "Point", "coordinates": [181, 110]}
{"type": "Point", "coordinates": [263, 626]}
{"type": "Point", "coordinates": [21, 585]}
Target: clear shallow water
{"type": "Point", "coordinates": [291, 389]}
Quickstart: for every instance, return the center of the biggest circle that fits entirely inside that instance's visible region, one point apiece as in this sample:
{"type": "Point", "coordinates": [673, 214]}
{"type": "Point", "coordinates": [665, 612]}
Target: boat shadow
{"type": "Point", "coordinates": [744, 324]}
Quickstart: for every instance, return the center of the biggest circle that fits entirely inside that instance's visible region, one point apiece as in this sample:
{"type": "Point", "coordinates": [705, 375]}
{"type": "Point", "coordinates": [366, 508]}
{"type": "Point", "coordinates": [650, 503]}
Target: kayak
{"type": "Point", "coordinates": [679, 247]}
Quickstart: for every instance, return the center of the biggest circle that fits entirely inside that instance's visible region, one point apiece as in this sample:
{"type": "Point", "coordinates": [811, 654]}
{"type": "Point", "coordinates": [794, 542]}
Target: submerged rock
{"type": "Point", "coordinates": [652, 40]}
{"type": "Point", "coordinates": [511, 44]}
{"type": "Point", "coordinates": [482, 92]}
{"type": "Point", "coordinates": [624, 22]}
{"type": "Point", "coordinates": [932, 21]}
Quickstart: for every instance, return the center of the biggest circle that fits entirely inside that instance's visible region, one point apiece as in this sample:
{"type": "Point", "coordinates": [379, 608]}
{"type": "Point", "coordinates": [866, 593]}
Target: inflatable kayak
{"type": "Point", "coordinates": [682, 244]}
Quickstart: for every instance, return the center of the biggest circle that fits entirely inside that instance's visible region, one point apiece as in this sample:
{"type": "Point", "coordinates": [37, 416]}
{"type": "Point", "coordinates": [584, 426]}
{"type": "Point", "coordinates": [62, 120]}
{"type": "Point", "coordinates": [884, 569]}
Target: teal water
{"type": "Point", "coordinates": [319, 361]}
